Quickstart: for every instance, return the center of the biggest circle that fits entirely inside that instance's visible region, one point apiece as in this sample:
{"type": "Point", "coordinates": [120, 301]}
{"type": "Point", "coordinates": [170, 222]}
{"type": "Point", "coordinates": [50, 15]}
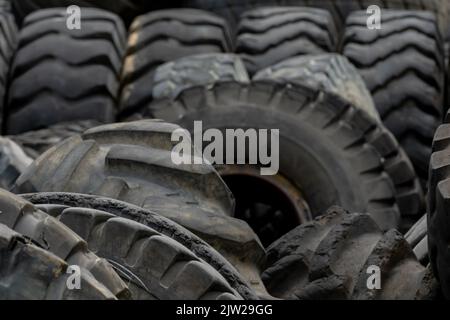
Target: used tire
{"type": "Point", "coordinates": [163, 36]}
{"type": "Point", "coordinates": [328, 259]}
{"type": "Point", "coordinates": [28, 272]}
{"type": "Point", "coordinates": [437, 207]}
{"type": "Point", "coordinates": [319, 133]}
{"type": "Point", "coordinates": [335, 75]}
{"type": "Point", "coordinates": [54, 203]}
{"type": "Point", "coordinates": [403, 67]}
{"type": "Point", "coordinates": [8, 43]}
{"type": "Point", "coordinates": [270, 35]}
{"type": "Point", "coordinates": [153, 265]}
{"type": "Point", "coordinates": [89, 60]}
{"type": "Point", "coordinates": [13, 162]}
{"type": "Point", "coordinates": [132, 162]}
{"type": "Point", "coordinates": [55, 237]}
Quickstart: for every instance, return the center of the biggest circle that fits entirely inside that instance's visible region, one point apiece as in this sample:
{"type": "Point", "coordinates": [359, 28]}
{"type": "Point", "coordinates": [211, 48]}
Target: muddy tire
{"type": "Point", "coordinates": [437, 207]}
{"type": "Point", "coordinates": [153, 265]}
{"type": "Point", "coordinates": [54, 203]}
{"type": "Point", "coordinates": [403, 67]}
{"type": "Point", "coordinates": [162, 36]}
{"type": "Point", "coordinates": [306, 117]}
{"type": "Point", "coordinates": [267, 36]}
{"type": "Point", "coordinates": [35, 143]}
{"type": "Point", "coordinates": [89, 59]}
{"type": "Point", "coordinates": [52, 235]}
{"type": "Point", "coordinates": [29, 272]}
{"type": "Point", "coordinates": [335, 75]}
{"type": "Point", "coordinates": [132, 162]}
{"type": "Point", "coordinates": [8, 43]}
{"type": "Point", "coordinates": [328, 258]}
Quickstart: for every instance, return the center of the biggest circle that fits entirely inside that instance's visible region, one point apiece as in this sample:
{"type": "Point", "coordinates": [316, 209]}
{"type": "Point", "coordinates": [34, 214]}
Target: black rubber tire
{"type": "Point", "coordinates": [162, 36]}
{"type": "Point", "coordinates": [418, 239]}
{"type": "Point", "coordinates": [335, 134]}
{"type": "Point", "coordinates": [35, 143]}
{"type": "Point", "coordinates": [153, 265]}
{"type": "Point", "coordinates": [403, 67]}
{"type": "Point", "coordinates": [89, 60]}
{"type": "Point", "coordinates": [127, 9]}
{"type": "Point", "coordinates": [8, 43]}
{"type": "Point", "coordinates": [28, 272]}
{"type": "Point", "coordinates": [267, 36]}
{"type": "Point", "coordinates": [438, 208]}
{"type": "Point", "coordinates": [335, 75]}
{"type": "Point", "coordinates": [156, 222]}
{"type": "Point", "coordinates": [52, 235]}
{"type": "Point", "coordinates": [328, 259]}
{"type": "Point", "coordinates": [339, 9]}
{"type": "Point", "coordinates": [13, 162]}
{"type": "Point", "coordinates": [132, 162]}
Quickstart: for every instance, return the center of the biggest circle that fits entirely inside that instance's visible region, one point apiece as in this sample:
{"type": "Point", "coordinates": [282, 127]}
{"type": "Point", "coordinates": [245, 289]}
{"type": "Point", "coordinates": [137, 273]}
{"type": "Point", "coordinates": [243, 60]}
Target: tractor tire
{"type": "Point", "coordinates": [89, 60]}
{"type": "Point", "coordinates": [52, 235]}
{"type": "Point", "coordinates": [437, 207]}
{"type": "Point", "coordinates": [8, 43]}
{"type": "Point", "coordinates": [403, 67]}
{"type": "Point", "coordinates": [333, 74]}
{"type": "Point", "coordinates": [132, 162]}
{"type": "Point", "coordinates": [328, 258]}
{"type": "Point", "coordinates": [55, 203]}
{"type": "Point", "coordinates": [153, 265]}
{"type": "Point", "coordinates": [28, 272]}
{"type": "Point", "coordinates": [163, 36]}
{"type": "Point", "coordinates": [267, 36]}
{"type": "Point", "coordinates": [328, 147]}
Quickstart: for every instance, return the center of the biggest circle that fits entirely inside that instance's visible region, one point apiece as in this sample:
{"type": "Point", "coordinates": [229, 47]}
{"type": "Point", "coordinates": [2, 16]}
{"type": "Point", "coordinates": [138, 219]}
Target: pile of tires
{"type": "Point", "coordinates": [88, 180]}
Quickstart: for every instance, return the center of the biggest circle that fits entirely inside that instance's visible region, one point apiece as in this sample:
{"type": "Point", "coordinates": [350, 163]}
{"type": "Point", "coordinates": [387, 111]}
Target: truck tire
{"type": "Point", "coordinates": [317, 130]}
{"type": "Point", "coordinates": [403, 67]}
{"type": "Point", "coordinates": [328, 258]}
{"type": "Point", "coordinates": [335, 75]}
{"type": "Point", "coordinates": [132, 162]}
{"type": "Point", "coordinates": [162, 36]}
{"type": "Point", "coordinates": [52, 235]}
{"type": "Point", "coordinates": [8, 43]}
{"type": "Point", "coordinates": [267, 36]}
{"type": "Point", "coordinates": [55, 203]}
{"type": "Point", "coordinates": [88, 59]}
{"type": "Point", "coordinates": [437, 207]}
{"type": "Point", "coordinates": [153, 265]}
{"type": "Point", "coordinates": [28, 272]}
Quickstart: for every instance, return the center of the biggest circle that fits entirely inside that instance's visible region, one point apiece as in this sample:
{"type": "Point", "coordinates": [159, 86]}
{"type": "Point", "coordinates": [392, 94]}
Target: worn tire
{"type": "Point", "coordinates": [54, 202]}
{"type": "Point", "coordinates": [403, 67]}
{"type": "Point", "coordinates": [35, 143]}
{"type": "Point", "coordinates": [334, 131]}
{"type": "Point", "coordinates": [28, 272]}
{"type": "Point", "coordinates": [52, 235]}
{"type": "Point", "coordinates": [267, 36]}
{"type": "Point", "coordinates": [8, 43]}
{"type": "Point", "coordinates": [328, 259]}
{"type": "Point", "coordinates": [339, 9]}
{"type": "Point", "coordinates": [153, 265]}
{"type": "Point", "coordinates": [437, 206]}
{"type": "Point", "coordinates": [162, 36]}
{"type": "Point", "coordinates": [89, 60]}
{"type": "Point", "coordinates": [335, 75]}
{"type": "Point", "coordinates": [132, 162]}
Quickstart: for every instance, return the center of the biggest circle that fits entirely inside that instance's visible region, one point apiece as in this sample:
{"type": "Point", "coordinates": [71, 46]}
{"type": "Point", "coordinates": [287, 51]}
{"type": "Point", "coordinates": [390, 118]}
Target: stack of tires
{"type": "Point", "coordinates": [88, 175]}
